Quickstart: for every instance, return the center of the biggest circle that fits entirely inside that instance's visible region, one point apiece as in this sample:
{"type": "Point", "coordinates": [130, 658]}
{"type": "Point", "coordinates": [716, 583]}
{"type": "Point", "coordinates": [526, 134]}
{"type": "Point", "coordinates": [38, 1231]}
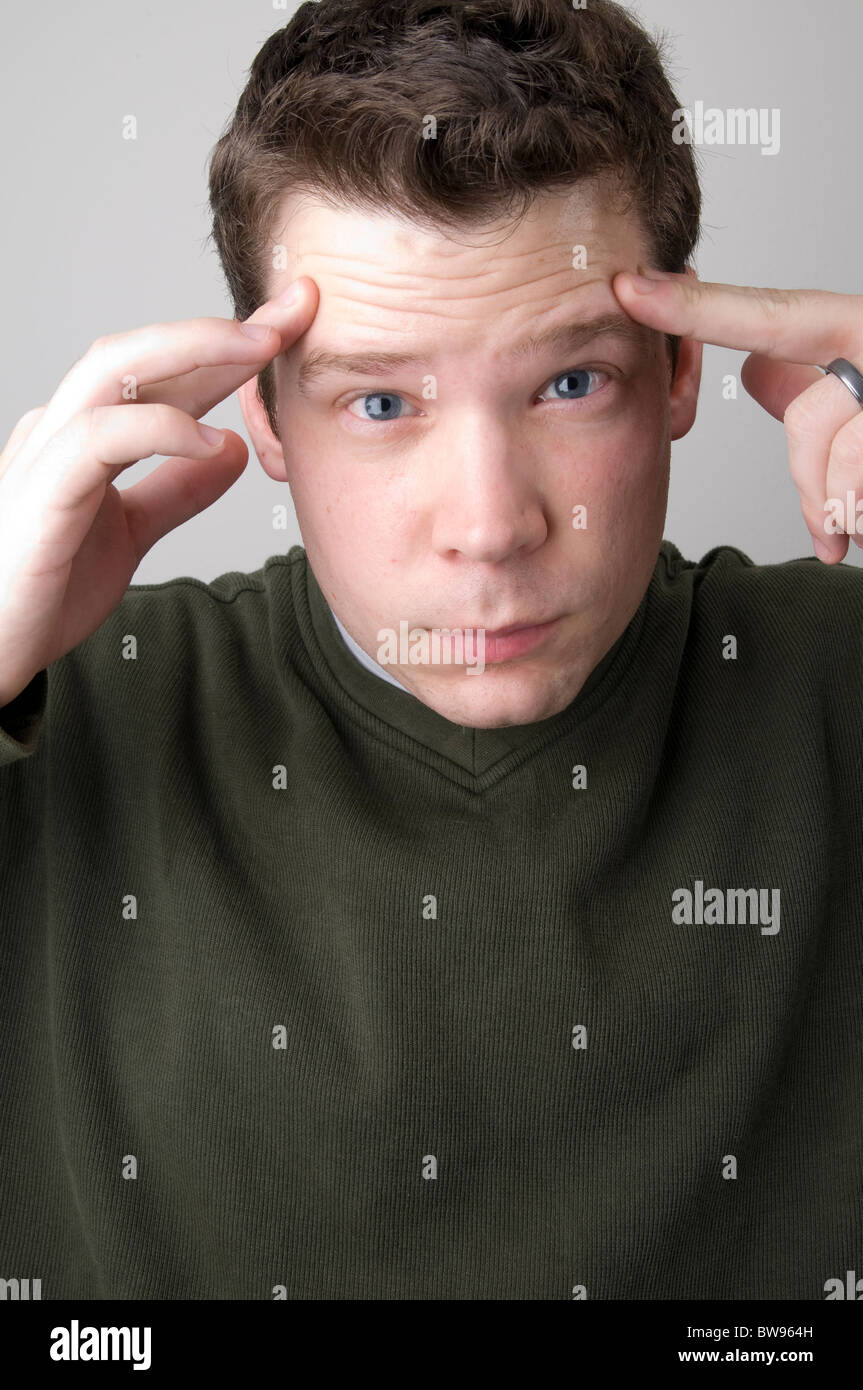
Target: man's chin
{"type": "Point", "coordinates": [495, 698]}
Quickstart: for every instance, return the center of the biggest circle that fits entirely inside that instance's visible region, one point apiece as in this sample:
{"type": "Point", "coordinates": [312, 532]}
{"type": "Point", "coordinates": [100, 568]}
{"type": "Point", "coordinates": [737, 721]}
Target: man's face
{"type": "Point", "coordinates": [481, 484]}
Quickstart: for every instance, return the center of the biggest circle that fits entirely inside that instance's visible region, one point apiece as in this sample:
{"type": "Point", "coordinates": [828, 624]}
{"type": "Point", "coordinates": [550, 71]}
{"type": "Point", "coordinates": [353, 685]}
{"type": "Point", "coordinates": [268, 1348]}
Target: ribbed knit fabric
{"type": "Point", "coordinates": [308, 992]}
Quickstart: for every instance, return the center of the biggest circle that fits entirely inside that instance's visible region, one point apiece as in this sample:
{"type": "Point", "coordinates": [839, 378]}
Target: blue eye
{"type": "Point", "coordinates": [390, 407]}
{"type": "Point", "coordinates": [574, 382]}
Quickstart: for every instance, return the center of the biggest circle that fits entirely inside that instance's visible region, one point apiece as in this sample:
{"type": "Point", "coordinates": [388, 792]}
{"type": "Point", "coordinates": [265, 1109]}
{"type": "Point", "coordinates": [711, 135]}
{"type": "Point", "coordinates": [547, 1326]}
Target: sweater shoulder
{"type": "Point", "coordinates": [797, 613]}
{"type": "Point", "coordinates": [199, 594]}
{"type": "Point", "coordinates": [725, 572]}
{"type": "Point", "coordinates": [188, 615]}
{"type": "Point", "coordinates": [162, 650]}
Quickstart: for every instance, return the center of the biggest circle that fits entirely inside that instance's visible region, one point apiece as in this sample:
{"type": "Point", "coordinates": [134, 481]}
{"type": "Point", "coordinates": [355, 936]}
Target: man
{"type": "Point", "coordinates": [336, 967]}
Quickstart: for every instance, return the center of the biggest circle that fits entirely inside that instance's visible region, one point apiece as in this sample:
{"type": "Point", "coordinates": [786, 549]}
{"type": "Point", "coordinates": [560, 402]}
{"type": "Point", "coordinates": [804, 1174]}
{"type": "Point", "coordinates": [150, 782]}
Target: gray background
{"type": "Point", "coordinates": [101, 234]}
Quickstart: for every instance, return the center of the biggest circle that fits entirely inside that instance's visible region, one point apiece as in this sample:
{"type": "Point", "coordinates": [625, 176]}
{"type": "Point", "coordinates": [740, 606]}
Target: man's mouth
{"type": "Point", "coordinates": [504, 643]}
{"type": "Point", "coordinates": [515, 627]}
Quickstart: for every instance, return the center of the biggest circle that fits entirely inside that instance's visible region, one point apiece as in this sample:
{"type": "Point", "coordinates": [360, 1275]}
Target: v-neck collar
{"type": "Point", "coordinates": [474, 750]}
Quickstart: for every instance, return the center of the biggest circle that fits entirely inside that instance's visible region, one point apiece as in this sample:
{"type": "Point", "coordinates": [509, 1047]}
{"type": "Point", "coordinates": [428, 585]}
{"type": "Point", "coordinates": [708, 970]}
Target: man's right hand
{"type": "Point", "coordinates": [70, 541]}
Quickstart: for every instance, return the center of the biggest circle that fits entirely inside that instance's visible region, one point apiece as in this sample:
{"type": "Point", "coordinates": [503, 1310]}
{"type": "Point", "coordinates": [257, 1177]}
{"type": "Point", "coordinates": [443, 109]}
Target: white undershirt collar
{"type": "Point", "coordinates": [364, 658]}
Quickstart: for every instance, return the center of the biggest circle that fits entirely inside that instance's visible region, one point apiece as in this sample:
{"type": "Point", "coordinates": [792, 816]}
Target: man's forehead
{"type": "Point", "coordinates": [519, 297]}
{"type": "Point", "coordinates": [313, 237]}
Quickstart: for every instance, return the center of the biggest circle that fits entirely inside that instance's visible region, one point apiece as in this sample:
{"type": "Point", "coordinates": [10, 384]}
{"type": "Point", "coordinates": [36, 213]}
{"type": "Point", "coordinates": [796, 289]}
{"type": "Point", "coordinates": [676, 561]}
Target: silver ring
{"type": "Point", "coordinates": [848, 375]}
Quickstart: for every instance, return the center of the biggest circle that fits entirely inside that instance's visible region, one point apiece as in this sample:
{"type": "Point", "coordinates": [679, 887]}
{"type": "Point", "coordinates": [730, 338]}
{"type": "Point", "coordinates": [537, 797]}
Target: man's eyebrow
{"type": "Point", "coordinates": [568, 337]}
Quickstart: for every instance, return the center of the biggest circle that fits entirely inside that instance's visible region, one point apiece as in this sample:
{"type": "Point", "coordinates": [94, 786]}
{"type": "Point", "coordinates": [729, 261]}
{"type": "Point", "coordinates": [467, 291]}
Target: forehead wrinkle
{"type": "Point", "coordinates": [569, 337]}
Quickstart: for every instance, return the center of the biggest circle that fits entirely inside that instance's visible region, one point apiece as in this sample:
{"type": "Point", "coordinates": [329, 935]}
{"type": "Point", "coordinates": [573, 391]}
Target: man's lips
{"type": "Point", "coordinates": [513, 627]}
{"type": "Point", "coordinates": [503, 643]}
{"type": "Point", "coordinates": [508, 643]}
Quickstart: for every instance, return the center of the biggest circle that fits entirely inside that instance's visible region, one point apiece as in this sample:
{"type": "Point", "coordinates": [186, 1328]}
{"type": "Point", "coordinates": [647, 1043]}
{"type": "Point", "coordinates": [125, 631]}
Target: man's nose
{"type": "Point", "coordinates": [488, 504]}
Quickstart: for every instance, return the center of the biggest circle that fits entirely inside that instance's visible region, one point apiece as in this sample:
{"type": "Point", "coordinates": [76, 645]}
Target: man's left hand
{"type": "Point", "coordinates": [788, 334]}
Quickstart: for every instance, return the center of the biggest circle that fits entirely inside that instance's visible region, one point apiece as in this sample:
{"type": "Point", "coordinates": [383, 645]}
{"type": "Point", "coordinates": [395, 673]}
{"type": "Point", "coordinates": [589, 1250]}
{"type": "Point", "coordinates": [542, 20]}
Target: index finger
{"type": "Point", "coordinates": [810, 327]}
{"type": "Point", "coordinates": [192, 364]}
{"type": "Point", "coordinates": [196, 392]}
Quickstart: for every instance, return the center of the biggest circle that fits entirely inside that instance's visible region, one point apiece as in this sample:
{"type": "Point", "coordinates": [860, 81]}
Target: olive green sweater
{"type": "Point", "coordinates": [308, 992]}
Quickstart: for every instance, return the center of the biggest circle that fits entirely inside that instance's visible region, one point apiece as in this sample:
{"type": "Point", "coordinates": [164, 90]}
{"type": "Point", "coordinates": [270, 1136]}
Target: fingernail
{"type": "Point", "coordinates": [289, 295]}
{"type": "Point", "coordinates": [822, 551]}
{"type": "Point", "coordinates": [210, 435]}
{"type": "Point", "coordinates": [645, 284]}
{"type": "Point", "coordinates": [255, 330]}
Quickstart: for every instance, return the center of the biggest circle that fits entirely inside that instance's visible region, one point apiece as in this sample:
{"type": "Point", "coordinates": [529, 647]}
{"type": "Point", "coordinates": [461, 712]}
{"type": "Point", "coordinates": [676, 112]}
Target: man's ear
{"type": "Point", "coordinates": [683, 395]}
{"type": "Point", "coordinates": [267, 446]}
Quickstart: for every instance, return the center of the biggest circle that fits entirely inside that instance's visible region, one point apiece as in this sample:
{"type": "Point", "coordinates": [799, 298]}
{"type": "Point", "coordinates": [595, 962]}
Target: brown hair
{"type": "Point", "coordinates": [528, 95]}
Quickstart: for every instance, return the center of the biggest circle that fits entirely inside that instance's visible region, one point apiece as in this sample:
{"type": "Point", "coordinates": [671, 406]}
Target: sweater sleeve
{"type": "Point", "coordinates": [21, 720]}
